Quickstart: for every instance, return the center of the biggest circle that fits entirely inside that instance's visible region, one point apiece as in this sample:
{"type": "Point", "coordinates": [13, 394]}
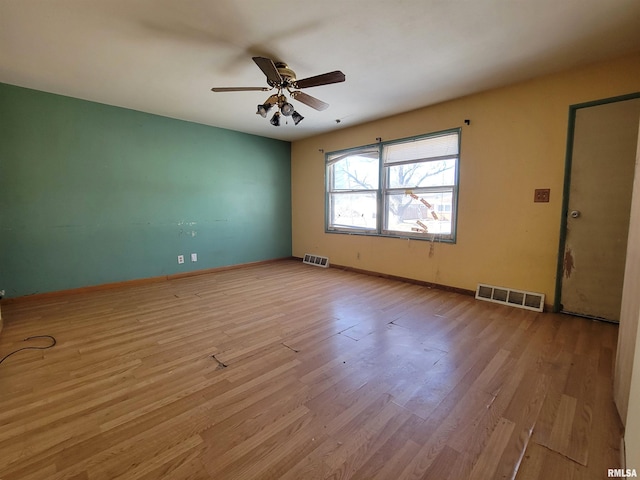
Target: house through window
{"type": "Point", "coordinates": [402, 188]}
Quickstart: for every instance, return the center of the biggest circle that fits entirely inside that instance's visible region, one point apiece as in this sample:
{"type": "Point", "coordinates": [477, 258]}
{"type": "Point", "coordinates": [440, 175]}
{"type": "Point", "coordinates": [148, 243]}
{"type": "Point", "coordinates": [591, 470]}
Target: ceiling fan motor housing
{"type": "Point", "coordinates": [288, 75]}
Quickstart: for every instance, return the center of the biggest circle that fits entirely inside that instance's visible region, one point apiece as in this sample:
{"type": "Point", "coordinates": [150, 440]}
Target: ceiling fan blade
{"type": "Point", "coordinates": [324, 79]}
{"type": "Point", "coordinates": [240, 89]}
{"type": "Point", "coordinates": [313, 102]}
{"type": "Point", "coordinates": [269, 69]}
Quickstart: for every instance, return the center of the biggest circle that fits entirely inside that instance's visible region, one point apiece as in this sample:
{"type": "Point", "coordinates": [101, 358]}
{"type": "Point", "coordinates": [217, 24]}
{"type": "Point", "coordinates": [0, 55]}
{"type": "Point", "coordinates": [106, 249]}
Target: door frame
{"type": "Point", "coordinates": [557, 304]}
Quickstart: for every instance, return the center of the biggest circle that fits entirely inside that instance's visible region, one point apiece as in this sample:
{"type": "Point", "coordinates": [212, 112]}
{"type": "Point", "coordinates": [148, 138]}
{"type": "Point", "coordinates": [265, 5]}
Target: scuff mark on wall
{"type": "Point", "coordinates": [188, 233]}
{"type": "Point", "coordinates": [568, 264]}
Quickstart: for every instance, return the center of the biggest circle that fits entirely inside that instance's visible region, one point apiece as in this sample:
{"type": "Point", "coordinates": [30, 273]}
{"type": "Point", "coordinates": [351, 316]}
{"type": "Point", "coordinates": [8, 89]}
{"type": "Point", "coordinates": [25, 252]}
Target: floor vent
{"type": "Point", "coordinates": [316, 260]}
{"type": "Point", "coordinates": [509, 296]}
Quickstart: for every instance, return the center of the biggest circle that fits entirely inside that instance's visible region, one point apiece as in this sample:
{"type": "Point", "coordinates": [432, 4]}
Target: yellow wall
{"type": "Point", "coordinates": [516, 142]}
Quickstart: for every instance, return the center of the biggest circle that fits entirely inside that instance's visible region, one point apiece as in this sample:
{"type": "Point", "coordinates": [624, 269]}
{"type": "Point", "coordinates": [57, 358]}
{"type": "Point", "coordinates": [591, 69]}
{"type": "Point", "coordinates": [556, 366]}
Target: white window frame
{"type": "Point", "coordinates": [420, 194]}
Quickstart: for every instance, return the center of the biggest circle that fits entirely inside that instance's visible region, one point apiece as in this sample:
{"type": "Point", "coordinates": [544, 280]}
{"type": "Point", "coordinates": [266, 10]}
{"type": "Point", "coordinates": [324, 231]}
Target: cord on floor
{"type": "Point", "coordinates": [31, 348]}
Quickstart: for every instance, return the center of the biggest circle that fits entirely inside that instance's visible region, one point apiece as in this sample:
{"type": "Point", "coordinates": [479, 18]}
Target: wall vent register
{"type": "Point", "coordinates": [316, 260]}
{"type": "Point", "coordinates": [508, 296]}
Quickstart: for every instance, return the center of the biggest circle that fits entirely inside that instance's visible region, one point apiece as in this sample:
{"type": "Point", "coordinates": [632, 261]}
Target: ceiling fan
{"type": "Point", "coordinates": [282, 78]}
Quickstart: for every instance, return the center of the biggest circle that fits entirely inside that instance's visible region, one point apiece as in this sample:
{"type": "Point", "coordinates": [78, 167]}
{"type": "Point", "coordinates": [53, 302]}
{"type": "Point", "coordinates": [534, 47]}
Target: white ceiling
{"type": "Point", "coordinates": [163, 56]}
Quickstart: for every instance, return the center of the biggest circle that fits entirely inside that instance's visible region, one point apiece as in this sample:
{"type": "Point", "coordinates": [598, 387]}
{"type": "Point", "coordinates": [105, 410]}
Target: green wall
{"type": "Point", "coordinates": [92, 194]}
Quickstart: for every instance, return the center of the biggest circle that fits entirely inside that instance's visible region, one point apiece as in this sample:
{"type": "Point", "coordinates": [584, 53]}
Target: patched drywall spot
{"type": "Point", "coordinates": [568, 264]}
{"type": "Point", "coordinates": [187, 232]}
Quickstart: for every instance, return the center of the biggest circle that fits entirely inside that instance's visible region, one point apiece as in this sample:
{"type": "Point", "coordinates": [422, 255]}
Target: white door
{"type": "Point", "coordinates": [599, 202]}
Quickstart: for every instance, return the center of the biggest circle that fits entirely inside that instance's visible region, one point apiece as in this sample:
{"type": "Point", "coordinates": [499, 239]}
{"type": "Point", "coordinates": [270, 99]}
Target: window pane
{"type": "Point", "coordinates": [425, 174]}
{"type": "Point", "coordinates": [353, 210]}
{"type": "Point", "coordinates": [357, 171]}
{"type": "Point", "coordinates": [438, 146]}
{"type": "Point", "coordinates": [428, 213]}
{"type": "Point", "coordinates": [416, 178]}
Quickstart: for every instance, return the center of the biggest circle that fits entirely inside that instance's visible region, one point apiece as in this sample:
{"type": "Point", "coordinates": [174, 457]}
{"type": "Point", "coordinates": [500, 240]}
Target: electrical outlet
{"type": "Point", "coordinates": [180, 259]}
{"type": "Point", "coordinates": [1, 293]}
{"type": "Point", "coordinates": [194, 257]}
{"type": "Point", "coordinates": [541, 195]}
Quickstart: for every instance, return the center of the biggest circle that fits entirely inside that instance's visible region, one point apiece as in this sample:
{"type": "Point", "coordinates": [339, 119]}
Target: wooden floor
{"type": "Point", "coordinates": [288, 371]}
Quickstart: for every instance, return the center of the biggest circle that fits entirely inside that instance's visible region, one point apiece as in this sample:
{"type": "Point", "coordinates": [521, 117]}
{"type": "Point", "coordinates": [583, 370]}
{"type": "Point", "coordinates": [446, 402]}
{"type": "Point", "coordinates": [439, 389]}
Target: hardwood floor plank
{"type": "Point", "coordinates": [284, 371]}
{"type": "Point", "coordinates": [216, 464]}
{"type": "Point", "coordinates": [471, 405]}
{"type": "Point", "coordinates": [364, 436]}
{"type": "Point", "coordinates": [392, 450]}
{"type": "Point", "coordinates": [563, 425]}
{"type": "Point", "coordinates": [398, 461]}
{"type": "Point", "coordinates": [156, 465]}
{"type": "Point", "coordinates": [487, 462]}
{"type": "Point", "coordinates": [542, 463]}
{"type": "Point", "coordinates": [183, 468]}
{"type": "Point", "coordinates": [443, 464]}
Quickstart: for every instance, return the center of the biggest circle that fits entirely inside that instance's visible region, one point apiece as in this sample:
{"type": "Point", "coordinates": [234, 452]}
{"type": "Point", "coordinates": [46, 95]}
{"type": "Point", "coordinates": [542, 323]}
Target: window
{"type": "Point", "coordinates": [353, 184]}
{"type": "Point", "coordinates": [404, 188]}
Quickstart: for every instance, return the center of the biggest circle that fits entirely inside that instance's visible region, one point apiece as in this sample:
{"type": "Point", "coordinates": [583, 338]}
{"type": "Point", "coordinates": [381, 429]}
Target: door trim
{"type": "Point", "coordinates": [557, 306]}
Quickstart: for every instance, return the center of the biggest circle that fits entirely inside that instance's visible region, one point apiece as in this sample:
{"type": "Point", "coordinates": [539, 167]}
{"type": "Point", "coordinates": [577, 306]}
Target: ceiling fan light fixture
{"type": "Point", "coordinates": [275, 120]}
{"type": "Point", "coordinates": [287, 109]}
{"type": "Point", "coordinates": [296, 117]}
{"type": "Point", "coordinates": [263, 109]}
